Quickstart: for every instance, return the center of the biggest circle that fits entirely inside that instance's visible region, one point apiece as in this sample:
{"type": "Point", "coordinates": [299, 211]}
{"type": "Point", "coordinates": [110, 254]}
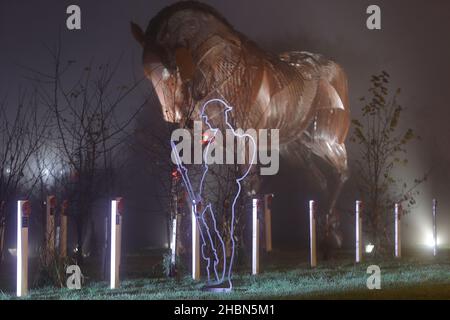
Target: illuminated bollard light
{"type": "Point", "coordinates": [358, 231]}
{"type": "Point", "coordinates": [173, 242]}
{"type": "Point", "coordinates": [116, 240]}
{"type": "Point", "coordinates": [50, 228]}
{"type": "Point", "coordinates": [434, 228]}
{"type": "Point", "coordinates": [63, 230]}
{"type": "Point", "coordinates": [255, 238]}
{"type": "Point", "coordinates": [23, 217]}
{"type": "Point", "coordinates": [268, 220]}
{"type": "Point", "coordinates": [398, 235]}
{"type": "Point", "coordinates": [312, 233]}
{"type": "Point", "coordinates": [195, 245]}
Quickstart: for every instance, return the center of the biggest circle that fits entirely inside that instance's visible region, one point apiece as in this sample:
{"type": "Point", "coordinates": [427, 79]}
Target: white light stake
{"type": "Point", "coordinates": [50, 228]}
{"type": "Point", "coordinates": [434, 228]}
{"type": "Point", "coordinates": [63, 230]}
{"type": "Point", "coordinates": [116, 239]}
{"type": "Point", "coordinates": [255, 238]}
{"type": "Point", "coordinates": [398, 236]}
{"type": "Point", "coordinates": [268, 220]}
{"type": "Point", "coordinates": [312, 233]}
{"type": "Point", "coordinates": [358, 227]}
{"type": "Point", "coordinates": [195, 245]}
{"type": "Point", "coordinates": [23, 217]}
{"type": "Point", "coordinates": [173, 242]}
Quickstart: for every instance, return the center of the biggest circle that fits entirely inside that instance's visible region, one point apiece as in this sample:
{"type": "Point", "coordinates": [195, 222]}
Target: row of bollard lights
{"type": "Point", "coordinates": [23, 217]}
{"type": "Point", "coordinates": [24, 211]}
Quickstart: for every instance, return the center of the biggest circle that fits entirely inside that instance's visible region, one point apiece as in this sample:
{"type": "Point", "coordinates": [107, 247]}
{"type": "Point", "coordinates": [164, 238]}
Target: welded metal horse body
{"type": "Point", "coordinates": [192, 54]}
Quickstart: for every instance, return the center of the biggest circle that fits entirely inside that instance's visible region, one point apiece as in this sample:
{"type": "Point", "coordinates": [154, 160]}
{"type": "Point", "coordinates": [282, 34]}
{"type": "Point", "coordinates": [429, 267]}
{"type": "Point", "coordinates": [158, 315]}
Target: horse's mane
{"type": "Point", "coordinates": [168, 11]}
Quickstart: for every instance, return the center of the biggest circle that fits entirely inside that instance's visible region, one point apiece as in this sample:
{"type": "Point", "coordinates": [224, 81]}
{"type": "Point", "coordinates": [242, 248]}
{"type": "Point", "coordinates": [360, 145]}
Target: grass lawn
{"type": "Point", "coordinates": [283, 278]}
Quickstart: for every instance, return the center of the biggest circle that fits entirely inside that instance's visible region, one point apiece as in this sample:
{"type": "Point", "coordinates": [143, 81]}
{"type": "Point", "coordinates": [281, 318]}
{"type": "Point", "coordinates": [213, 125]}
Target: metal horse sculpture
{"type": "Point", "coordinates": [192, 54]}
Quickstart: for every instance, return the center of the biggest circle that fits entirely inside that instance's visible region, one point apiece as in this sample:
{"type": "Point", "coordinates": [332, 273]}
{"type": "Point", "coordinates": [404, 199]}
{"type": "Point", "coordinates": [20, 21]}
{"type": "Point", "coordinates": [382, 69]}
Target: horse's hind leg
{"type": "Point", "coordinates": [330, 129]}
{"type": "Point", "coordinates": [338, 177]}
{"type": "Point", "coordinates": [298, 154]}
{"type": "Point", "coordinates": [335, 159]}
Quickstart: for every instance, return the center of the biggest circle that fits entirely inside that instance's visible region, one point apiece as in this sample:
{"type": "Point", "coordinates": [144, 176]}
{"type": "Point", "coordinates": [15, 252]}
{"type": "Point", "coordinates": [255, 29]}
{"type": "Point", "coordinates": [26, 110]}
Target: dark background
{"type": "Point", "coordinates": [413, 46]}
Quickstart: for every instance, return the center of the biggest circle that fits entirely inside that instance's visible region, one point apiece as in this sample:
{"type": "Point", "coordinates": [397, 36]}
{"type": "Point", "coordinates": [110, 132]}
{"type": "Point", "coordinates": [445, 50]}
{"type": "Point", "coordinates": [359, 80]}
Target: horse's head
{"type": "Point", "coordinates": [170, 43]}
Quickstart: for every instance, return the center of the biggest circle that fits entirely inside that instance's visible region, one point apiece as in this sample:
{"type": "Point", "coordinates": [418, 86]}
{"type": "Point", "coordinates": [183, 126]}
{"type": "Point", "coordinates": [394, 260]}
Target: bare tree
{"type": "Point", "coordinates": [88, 130]}
{"type": "Point", "coordinates": [23, 131]}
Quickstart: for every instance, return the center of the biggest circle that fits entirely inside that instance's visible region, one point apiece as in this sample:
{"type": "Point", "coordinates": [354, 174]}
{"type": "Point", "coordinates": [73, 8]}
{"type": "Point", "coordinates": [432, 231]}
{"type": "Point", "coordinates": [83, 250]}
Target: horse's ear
{"type": "Point", "coordinates": [138, 33]}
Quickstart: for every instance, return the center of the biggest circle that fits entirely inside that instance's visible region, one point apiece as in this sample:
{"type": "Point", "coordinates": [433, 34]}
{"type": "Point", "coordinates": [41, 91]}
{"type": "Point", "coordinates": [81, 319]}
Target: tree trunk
{"type": "Point", "coordinates": [105, 249]}
{"type": "Point", "coordinates": [79, 253]}
{"type": "Point", "coordinates": [2, 238]}
{"type": "Point", "coordinates": [89, 236]}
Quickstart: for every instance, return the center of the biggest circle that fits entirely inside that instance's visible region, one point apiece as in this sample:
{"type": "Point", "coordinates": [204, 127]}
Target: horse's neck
{"type": "Point", "coordinates": [214, 45]}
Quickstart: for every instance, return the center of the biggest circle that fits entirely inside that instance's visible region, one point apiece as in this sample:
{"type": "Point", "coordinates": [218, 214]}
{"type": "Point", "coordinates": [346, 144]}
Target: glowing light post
{"type": "Point", "coordinates": [50, 228]}
{"type": "Point", "coordinates": [63, 230]}
{"type": "Point", "coordinates": [173, 241]}
{"type": "Point", "coordinates": [23, 216]}
{"type": "Point", "coordinates": [398, 237]}
{"type": "Point", "coordinates": [268, 220]}
{"type": "Point", "coordinates": [312, 233]}
{"type": "Point", "coordinates": [116, 239]}
{"type": "Point", "coordinates": [434, 228]}
{"type": "Point", "coordinates": [195, 245]}
{"type": "Point", "coordinates": [194, 223]}
{"type": "Point", "coordinates": [255, 238]}
{"type": "Point", "coordinates": [358, 223]}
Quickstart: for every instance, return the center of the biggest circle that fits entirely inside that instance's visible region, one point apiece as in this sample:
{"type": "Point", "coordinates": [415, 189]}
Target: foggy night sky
{"type": "Point", "coordinates": [413, 46]}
